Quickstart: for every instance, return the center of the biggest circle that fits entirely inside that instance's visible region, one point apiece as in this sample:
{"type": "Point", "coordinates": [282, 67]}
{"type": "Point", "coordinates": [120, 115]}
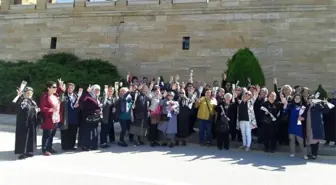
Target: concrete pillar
{"type": "Point", "coordinates": [41, 4]}
{"type": "Point", "coordinates": [5, 4]}
{"type": "Point", "coordinates": [80, 3]}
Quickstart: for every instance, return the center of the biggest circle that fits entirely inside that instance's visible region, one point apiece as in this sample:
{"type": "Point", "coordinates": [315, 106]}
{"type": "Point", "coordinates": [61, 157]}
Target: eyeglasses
{"type": "Point", "coordinates": [54, 87]}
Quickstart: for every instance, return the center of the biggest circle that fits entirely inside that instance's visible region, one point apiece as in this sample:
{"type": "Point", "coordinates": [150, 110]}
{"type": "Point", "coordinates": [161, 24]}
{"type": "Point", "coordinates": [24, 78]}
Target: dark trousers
{"type": "Point", "coordinates": [270, 136]}
{"type": "Point", "coordinates": [153, 132]}
{"type": "Point", "coordinates": [125, 126]}
{"type": "Point", "coordinates": [315, 149]}
{"type": "Point", "coordinates": [235, 134]}
{"type": "Point", "coordinates": [69, 137]}
{"type": "Point", "coordinates": [223, 140]}
{"type": "Point", "coordinates": [47, 139]}
{"type": "Point", "coordinates": [205, 130]}
{"type": "Point", "coordinates": [89, 135]}
{"type": "Point", "coordinates": [192, 120]}
{"type": "Point", "coordinates": [107, 130]}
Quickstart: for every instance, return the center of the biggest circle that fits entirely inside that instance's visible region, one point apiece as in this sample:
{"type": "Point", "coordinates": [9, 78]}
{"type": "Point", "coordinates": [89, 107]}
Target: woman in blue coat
{"type": "Point", "coordinates": [297, 127]}
{"type": "Point", "coordinates": [314, 125]}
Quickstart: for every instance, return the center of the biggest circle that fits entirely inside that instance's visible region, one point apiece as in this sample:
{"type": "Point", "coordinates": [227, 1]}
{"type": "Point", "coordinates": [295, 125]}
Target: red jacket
{"type": "Point", "coordinates": [46, 110]}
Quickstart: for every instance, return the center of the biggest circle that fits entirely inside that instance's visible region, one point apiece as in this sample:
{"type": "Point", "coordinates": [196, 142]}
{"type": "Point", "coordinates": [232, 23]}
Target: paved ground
{"type": "Point", "coordinates": [192, 165]}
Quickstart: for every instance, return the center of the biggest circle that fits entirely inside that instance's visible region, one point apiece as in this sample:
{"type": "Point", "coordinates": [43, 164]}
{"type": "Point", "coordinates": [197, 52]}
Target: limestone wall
{"type": "Point", "coordinates": [295, 40]}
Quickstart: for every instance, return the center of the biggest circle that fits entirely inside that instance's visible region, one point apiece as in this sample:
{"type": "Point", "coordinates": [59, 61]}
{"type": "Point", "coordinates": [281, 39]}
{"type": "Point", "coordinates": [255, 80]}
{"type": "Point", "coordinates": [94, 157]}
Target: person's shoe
{"type": "Point", "coordinates": [247, 149]}
{"type": "Point", "coordinates": [29, 154]}
{"type": "Point", "coordinates": [22, 156]}
{"type": "Point", "coordinates": [136, 143]}
{"type": "Point", "coordinates": [85, 149]}
{"type": "Point", "coordinates": [141, 142]}
{"type": "Point", "coordinates": [220, 148]}
{"type": "Point", "coordinates": [312, 157]}
{"type": "Point", "coordinates": [46, 153]}
{"type": "Point", "coordinates": [156, 143]}
{"type": "Point", "coordinates": [208, 144]}
{"type": "Point", "coordinates": [226, 148]}
{"type": "Point", "coordinates": [184, 143]}
{"type": "Point", "coordinates": [104, 145]}
{"type": "Point", "coordinates": [292, 155]}
{"type": "Point", "coordinates": [305, 157]}
{"type": "Point", "coordinates": [122, 144]}
{"type": "Point", "coordinates": [152, 144]}
{"type": "Point", "coordinates": [171, 145]}
{"type": "Point", "coordinates": [164, 144]}
{"type": "Point", "coordinates": [242, 147]}
{"type": "Point", "coordinates": [52, 151]}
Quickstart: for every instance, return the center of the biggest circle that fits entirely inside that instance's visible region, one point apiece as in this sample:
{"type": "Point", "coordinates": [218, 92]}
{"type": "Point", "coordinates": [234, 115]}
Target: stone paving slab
{"type": "Point", "coordinates": [9, 121]}
{"type": "Point", "coordinates": [191, 165]}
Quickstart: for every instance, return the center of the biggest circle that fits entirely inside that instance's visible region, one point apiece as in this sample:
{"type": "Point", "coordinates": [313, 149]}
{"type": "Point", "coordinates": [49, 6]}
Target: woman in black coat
{"type": "Point", "coordinates": [183, 118]}
{"type": "Point", "coordinates": [26, 122]}
{"type": "Point", "coordinates": [314, 125]}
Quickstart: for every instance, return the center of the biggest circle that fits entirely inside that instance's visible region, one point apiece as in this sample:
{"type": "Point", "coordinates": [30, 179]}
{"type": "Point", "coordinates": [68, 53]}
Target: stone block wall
{"type": "Point", "coordinates": [294, 40]}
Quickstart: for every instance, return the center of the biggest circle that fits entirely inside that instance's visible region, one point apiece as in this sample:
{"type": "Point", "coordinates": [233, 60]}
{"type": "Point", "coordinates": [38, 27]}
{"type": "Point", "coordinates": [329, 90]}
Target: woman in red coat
{"type": "Point", "coordinates": [52, 115]}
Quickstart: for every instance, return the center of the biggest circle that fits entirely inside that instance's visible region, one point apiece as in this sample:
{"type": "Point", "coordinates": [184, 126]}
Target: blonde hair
{"type": "Point", "coordinates": [288, 87]}
{"type": "Point", "coordinates": [124, 89]}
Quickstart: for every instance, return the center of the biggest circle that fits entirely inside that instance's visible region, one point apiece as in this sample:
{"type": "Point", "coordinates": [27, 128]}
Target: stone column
{"type": "Point", "coordinates": [5, 4]}
{"type": "Point", "coordinates": [41, 4]}
{"type": "Point", "coordinates": [80, 3]}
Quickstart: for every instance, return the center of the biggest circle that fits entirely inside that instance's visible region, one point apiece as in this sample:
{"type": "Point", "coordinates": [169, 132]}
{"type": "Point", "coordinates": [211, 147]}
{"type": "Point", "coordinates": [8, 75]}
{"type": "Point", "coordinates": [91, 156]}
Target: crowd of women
{"type": "Point", "coordinates": [165, 114]}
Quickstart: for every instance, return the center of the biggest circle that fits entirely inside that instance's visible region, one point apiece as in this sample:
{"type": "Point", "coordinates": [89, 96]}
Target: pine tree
{"type": "Point", "coordinates": [322, 91]}
{"type": "Point", "coordinates": [244, 65]}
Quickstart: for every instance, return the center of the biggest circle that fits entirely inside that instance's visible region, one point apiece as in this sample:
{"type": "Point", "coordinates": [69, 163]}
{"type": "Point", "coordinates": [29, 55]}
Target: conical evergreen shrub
{"type": "Point", "coordinates": [322, 91]}
{"type": "Point", "coordinates": [244, 65]}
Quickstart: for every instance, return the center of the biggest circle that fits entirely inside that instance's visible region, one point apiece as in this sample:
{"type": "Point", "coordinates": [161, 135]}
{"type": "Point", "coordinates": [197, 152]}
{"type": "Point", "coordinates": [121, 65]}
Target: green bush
{"type": "Point", "coordinates": [244, 65]}
{"type": "Point", "coordinates": [322, 91]}
{"type": "Point", "coordinates": [68, 67]}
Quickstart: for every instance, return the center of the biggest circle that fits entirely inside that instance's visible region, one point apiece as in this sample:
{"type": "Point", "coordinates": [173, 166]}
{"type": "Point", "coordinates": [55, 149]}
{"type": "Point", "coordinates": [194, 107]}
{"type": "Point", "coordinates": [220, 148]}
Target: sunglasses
{"type": "Point", "coordinates": [54, 87]}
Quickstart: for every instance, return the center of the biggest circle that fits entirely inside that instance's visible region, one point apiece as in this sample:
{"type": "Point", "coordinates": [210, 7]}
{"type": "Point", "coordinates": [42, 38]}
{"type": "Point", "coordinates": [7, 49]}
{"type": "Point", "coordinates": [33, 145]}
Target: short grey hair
{"type": "Point", "coordinates": [265, 90]}
{"type": "Point", "coordinates": [228, 95]}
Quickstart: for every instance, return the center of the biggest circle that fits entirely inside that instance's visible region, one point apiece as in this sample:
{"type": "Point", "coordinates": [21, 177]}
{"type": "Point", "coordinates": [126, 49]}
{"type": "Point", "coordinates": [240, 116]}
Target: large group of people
{"type": "Point", "coordinates": [165, 114]}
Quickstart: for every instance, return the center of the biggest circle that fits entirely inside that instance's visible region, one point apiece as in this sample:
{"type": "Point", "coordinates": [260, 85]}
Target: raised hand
{"type": "Point", "coordinates": [224, 76]}
{"type": "Point", "coordinates": [177, 78]}
{"type": "Point", "coordinates": [89, 88]}
{"type": "Point", "coordinates": [19, 92]}
{"type": "Point", "coordinates": [275, 81]}
{"type": "Point", "coordinates": [171, 79]}
{"type": "Point", "coordinates": [60, 82]}
{"type": "Point", "coordinates": [105, 89]}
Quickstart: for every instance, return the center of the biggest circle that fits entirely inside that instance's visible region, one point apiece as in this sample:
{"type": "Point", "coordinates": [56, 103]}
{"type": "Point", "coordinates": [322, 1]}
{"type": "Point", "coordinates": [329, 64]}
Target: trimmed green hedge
{"type": "Point", "coordinates": [244, 65]}
{"type": "Point", "coordinates": [52, 67]}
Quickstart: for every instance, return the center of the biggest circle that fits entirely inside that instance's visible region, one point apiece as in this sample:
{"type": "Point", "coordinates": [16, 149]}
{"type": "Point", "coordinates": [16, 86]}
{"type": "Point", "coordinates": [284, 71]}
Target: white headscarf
{"type": "Point", "coordinates": [93, 90]}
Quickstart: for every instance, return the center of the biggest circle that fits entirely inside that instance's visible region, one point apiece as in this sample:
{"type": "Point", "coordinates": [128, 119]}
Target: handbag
{"type": "Point", "coordinates": [91, 119]}
{"type": "Point", "coordinates": [267, 119]}
{"type": "Point", "coordinates": [222, 126]}
{"type": "Point", "coordinates": [211, 117]}
{"type": "Point", "coordinates": [39, 119]}
{"type": "Point", "coordinates": [164, 117]}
